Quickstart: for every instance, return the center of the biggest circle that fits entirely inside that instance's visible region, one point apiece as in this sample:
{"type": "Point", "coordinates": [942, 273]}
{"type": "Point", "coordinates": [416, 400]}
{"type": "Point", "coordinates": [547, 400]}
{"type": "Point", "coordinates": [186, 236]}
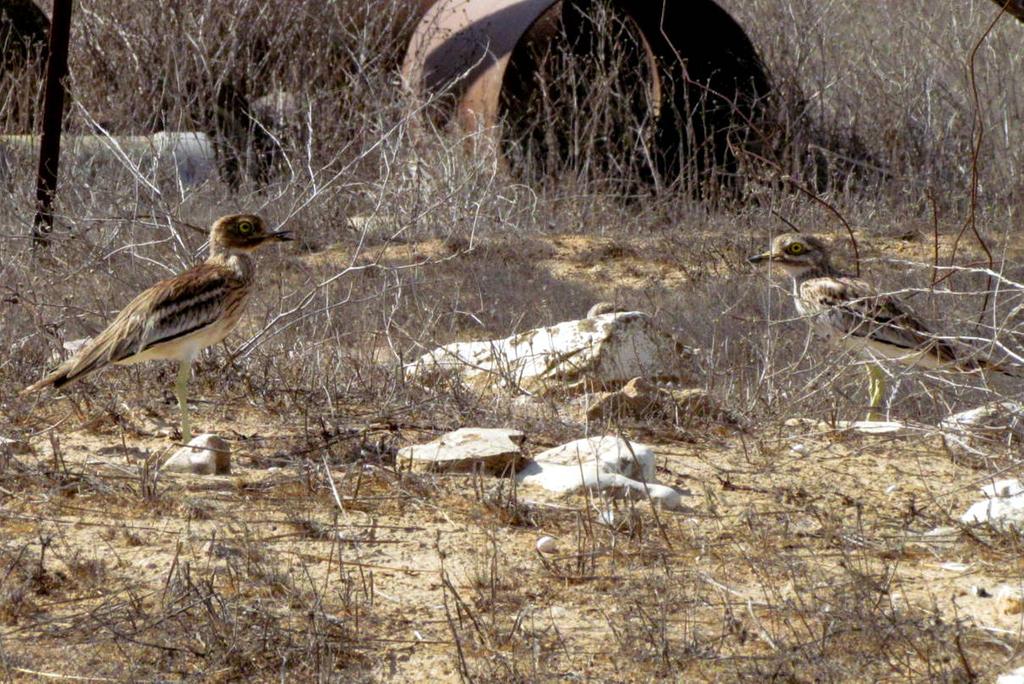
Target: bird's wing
{"type": "Point", "coordinates": [169, 309]}
{"type": "Point", "coordinates": [176, 307]}
{"type": "Point", "coordinates": [852, 307]}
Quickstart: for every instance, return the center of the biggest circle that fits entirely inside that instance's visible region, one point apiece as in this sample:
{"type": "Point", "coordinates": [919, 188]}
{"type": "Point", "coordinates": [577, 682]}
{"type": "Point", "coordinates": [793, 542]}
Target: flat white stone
{"type": "Point", "coordinates": [606, 350]}
{"type": "Point", "coordinates": [605, 453]}
{"type": "Point", "coordinates": [879, 427]}
{"type": "Point", "coordinates": [1003, 488]}
{"type": "Point", "coordinates": [869, 427]}
{"type": "Point", "coordinates": [600, 464]}
{"type": "Point", "coordinates": [466, 449]}
{"type": "Point", "coordinates": [1012, 677]}
{"type": "Point", "coordinates": [206, 454]}
{"type": "Point", "coordinates": [1003, 505]}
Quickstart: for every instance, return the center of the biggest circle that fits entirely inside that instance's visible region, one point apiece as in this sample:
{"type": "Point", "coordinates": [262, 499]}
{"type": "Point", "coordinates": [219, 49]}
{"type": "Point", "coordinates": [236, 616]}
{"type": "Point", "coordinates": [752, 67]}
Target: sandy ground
{"type": "Point", "coordinates": [759, 512]}
{"type": "Point", "coordinates": [796, 537]}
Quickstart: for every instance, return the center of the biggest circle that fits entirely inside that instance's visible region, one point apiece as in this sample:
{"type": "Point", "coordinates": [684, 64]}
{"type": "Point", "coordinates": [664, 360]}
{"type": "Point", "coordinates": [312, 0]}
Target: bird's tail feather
{"type": "Point", "coordinates": [89, 360]}
{"type": "Point", "coordinates": [51, 379]}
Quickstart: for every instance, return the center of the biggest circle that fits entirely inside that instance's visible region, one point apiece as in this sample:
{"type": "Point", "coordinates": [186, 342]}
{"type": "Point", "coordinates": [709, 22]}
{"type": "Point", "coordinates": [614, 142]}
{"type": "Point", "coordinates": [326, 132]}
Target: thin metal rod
{"type": "Point", "coordinates": [53, 115]}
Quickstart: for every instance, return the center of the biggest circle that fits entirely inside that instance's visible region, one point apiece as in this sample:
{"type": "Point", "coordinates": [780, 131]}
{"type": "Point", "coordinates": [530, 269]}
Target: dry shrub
{"type": "Point", "coordinates": [407, 241]}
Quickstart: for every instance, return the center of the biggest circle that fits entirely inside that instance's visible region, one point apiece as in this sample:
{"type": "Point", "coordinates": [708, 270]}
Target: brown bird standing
{"type": "Point", "coordinates": [850, 312]}
{"type": "Point", "coordinates": [177, 317]}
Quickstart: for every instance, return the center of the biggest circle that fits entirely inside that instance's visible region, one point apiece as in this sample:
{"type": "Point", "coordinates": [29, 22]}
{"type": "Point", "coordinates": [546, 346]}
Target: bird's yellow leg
{"type": "Point", "coordinates": [181, 391]}
{"type": "Point", "coordinates": [876, 389]}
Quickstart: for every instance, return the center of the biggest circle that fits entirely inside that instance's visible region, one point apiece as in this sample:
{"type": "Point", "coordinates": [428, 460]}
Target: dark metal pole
{"type": "Point", "coordinates": [53, 115]}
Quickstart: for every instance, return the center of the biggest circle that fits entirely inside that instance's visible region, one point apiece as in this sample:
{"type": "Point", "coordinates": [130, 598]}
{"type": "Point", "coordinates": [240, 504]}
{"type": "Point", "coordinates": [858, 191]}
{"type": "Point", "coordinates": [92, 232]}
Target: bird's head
{"type": "Point", "coordinates": [242, 233]}
{"type": "Point", "coordinates": [796, 254]}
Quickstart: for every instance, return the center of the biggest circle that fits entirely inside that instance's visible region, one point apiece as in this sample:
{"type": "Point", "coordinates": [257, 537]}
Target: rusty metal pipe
{"type": "Point", "coordinates": [705, 79]}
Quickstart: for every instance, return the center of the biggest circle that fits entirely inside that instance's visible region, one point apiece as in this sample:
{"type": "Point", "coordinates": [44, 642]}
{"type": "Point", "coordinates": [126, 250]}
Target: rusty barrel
{"type": "Point", "coordinates": [664, 89]}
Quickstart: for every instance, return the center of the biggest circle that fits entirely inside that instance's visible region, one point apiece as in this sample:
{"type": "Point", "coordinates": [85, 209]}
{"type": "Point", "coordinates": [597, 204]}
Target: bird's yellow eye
{"type": "Point", "coordinates": [795, 248]}
{"type": "Point", "coordinates": [246, 227]}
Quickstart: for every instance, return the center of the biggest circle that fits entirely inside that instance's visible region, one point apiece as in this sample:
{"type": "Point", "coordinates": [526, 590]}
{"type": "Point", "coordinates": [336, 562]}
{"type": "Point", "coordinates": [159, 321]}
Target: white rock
{"type": "Point", "coordinates": [466, 449]}
{"type": "Point", "coordinates": [606, 350]}
{"type": "Point", "coordinates": [1003, 488]}
{"type": "Point", "coordinates": [600, 464]}
{"type": "Point", "coordinates": [1012, 677]}
{"type": "Point", "coordinates": [668, 498]}
{"type": "Point", "coordinates": [560, 479]}
{"type": "Point", "coordinates": [607, 453]}
{"type": "Point", "coordinates": [206, 454]}
{"type": "Point", "coordinates": [1003, 506]}
{"type": "Point", "coordinates": [880, 427]}
{"type": "Point", "coordinates": [869, 427]}
{"type": "Point", "coordinates": [547, 545]}
{"type": "Point", "coordinates": [980, 431]}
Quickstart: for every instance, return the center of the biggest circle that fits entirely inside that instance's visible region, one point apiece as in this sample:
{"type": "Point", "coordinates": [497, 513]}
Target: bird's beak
{"type": "Point", "coordinates": [282, 236]}
{"type": "Point", "coordinates": [758, 258]}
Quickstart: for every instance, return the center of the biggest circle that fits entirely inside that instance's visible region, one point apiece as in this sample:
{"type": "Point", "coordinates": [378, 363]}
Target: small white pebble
{"type": "Point", "coordinates": [799, 449]}
{"type": "Point", "coordinates": [206, 454]}
{"type": "Point", "coordinates": [547, 545]}
{"type": "Point", "coordinates": [891, 489]}
{"type": "Point", "coordinates": [667, 497]}
{"type": "Point", "coordinates": [955, 567]}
